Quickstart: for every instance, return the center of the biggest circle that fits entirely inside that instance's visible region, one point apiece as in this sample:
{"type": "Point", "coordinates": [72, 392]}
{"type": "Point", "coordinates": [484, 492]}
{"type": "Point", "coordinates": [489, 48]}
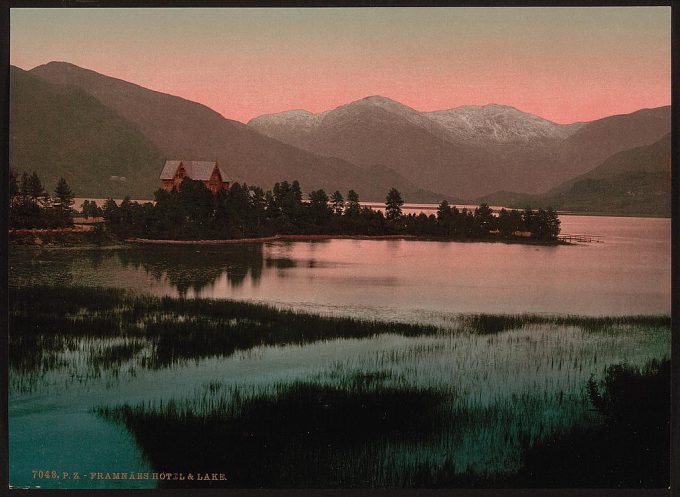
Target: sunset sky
{"type": "Point", "coordinates": [564, 64]}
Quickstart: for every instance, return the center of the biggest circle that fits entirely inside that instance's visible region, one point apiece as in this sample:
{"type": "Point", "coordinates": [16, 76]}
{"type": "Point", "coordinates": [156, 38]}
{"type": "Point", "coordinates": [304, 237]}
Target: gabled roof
{"type": "Point", "coordinates": [195, 169]}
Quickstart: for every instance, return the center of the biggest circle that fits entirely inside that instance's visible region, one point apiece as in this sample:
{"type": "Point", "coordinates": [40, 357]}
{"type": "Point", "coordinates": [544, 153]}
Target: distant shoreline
{"type": "Point", "coordinates": [55, 240]}
{"type": "Point", "coordinates": [431, 208]}
{"type": "Point", "coordinates": [230, 241]}
{"type": "Point", "coordinates": [302, 238]}
{"type": "Point", "coordinates": [70, 237]}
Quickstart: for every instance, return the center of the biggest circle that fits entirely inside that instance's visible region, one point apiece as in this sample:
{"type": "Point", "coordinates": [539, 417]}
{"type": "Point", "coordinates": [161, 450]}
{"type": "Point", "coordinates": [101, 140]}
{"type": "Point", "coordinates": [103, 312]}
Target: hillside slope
{"type": "Point", "coordinates": [187, 130]}
{"type": "Point", "coordinates": [63, 131]}
{"type": "Point", "coordinates": [594, 142]}
{"type": "Point", "coordinates": [632, 182]}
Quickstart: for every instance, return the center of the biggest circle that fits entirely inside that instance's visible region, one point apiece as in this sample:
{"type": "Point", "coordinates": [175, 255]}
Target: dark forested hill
{"type": "Point", "coordinates": [632, 182]}
{"type": "Point", "coordinates": [63, 131]}
{"type": "Point", "coordinates": [182, 129]}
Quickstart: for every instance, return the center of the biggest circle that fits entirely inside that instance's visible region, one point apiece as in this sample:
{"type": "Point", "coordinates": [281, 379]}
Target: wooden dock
{"type": "Point", "coordinates": [579, 238]}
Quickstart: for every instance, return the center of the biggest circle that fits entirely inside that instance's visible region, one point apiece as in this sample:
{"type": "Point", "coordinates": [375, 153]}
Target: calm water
{"type": "Point", "coordinates": [52, 426]}
{"type": "Point", "coordinates": [628, 273]}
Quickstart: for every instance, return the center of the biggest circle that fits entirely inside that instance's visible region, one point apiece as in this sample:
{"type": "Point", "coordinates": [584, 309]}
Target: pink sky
{"type": "Point", "coordinates": [564, 64]}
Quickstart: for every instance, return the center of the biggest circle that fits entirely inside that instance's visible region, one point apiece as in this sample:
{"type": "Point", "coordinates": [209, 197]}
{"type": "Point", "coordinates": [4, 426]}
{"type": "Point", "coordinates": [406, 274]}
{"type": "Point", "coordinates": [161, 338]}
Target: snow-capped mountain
{"type": "Point", "coordinates": [466, 150]}
{"type": "Point", "coordinates": [388, 106]}
{"type": "Point", "coordinates": [302, 128]}
{"type": "Point", "coordinates": [500, 123]}
{"type": "Point", "coordinates": [485, 124]}
{"type": "Point", "coordinates": [299, 120]}
{"type": "Point", "coordinates": [295, 127]}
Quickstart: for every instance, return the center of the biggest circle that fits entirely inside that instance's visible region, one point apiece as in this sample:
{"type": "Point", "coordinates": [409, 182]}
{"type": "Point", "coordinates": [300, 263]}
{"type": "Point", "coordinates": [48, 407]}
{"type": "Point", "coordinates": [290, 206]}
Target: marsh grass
{"type": "Point", "coordinates": [496, 323]}
{"type": "Point", "coordinates": [361, 430]}
{"type": "Point", "coordinates": [176, 330]}
{"type": "Point", "coordinates": [299, 400]}
{"type": "Point", "coordinates": [293, 434]}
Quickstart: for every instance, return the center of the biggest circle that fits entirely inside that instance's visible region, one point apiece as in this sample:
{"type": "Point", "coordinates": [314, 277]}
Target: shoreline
{"type": "Point", "coordinates": [302, 238]}
{"type": "Point", "coordinates": [262, 239]}
{"type": "Point", "coordinates": [431, 207]}
{"type": "Point", "coordinates": [69, 239]}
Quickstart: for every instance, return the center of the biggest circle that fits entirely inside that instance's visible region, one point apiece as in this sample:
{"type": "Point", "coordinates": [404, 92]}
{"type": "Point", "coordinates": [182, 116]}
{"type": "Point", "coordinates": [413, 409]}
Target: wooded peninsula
{"type": "Point", "coordinates": [193, 212]}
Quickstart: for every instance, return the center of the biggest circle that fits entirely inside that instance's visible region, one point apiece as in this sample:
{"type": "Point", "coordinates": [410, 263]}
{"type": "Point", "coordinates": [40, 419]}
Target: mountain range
{"type": "Point", "coordinates": [162, 126]}
{"type": "Point", "coordinates": [93, 129]}
{"type": "Point", "coordinates": [467, 151]}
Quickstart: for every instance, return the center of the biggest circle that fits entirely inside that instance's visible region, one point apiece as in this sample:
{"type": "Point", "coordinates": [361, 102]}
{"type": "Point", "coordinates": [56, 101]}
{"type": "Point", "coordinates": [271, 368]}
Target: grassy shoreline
{"type": "Point", "coordinates": [310, 433]}
{"type": "Point", "coordinates": [183, 329]}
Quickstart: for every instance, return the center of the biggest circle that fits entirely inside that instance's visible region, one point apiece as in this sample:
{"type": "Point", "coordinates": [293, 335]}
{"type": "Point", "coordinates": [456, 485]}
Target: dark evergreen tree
{"type": "Point", "coordinates": [554, 223]}
{"type": "Point", "coordinates": [111, 212]}
{"type": "Point", "coordinates": [484, 218]}
{"type": "Point", "coordinates": [291, 199]}
{"type": "Point", "coordinates": [64, 194]}
{"type": "Point", "coordinates": [393, 203]}
{"type": "Point", "coordinates": [258, 207]}
{"type": "Point", "coordinates": [35, 188]}
{"type": "Point", "coordinates": [296, 191]}
{"type": "Point", "coordinates": [281, 190]}
{"type": "Point", "coordinates": [353, 207]}
{"type": "Point", "coordinates": [197, 203]}
{"type": "Point", "coordinates": [23, 185]}
{"type": "Point", "coordinates": [94, 210]}
{"type": "Point", "coordinates": [504, 222]}
{"type": "Point", "coordinates": [444, 211]}
{"type": "Point", "coordinates": [272, 209]}
{"type": "Point", "coordinates": [546, 225]}
{"type": "Point", "coordinates": [85, 208]}
{"type": "Point", "coordinates": [338, 203]}
{"type": "Point", "coordinates": [318, 206]}
{"type": "Point", "coordinates": [529, 219]}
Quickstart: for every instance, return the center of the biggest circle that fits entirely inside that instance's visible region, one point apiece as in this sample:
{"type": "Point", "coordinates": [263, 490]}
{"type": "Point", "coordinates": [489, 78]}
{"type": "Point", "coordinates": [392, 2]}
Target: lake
{"type": "Point", "coordinates": [423, 281]}
{"type": "Point", "coordinates": [491, 392]}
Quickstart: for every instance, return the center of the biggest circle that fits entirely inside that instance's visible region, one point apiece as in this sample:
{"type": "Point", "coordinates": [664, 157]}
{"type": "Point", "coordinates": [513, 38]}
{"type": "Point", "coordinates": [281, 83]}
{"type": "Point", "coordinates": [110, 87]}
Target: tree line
{"type": "Point", "coordinates": [194, 212]}
{"type": "Point", "coordinates": [31, 206]}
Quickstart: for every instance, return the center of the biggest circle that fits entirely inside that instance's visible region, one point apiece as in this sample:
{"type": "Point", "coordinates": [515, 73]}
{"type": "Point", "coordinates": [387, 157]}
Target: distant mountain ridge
{"type": "Point", "coordinates": [468, 150]}
{"type": "Point", "coordinates": [500, 123]}
{"type": "Point", "coordinates": [181, 128]}
{"type": "Point", "coordinates": [595, 141]}
{"type": "Point", "coordinates": [370, 145]}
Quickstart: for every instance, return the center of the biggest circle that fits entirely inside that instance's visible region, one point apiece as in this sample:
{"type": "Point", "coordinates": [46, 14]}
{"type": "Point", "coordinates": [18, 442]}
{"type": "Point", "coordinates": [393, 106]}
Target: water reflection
{"type": "Point", "coordinates": [196, 269]}
{"type": "Point", "coordinates": [405, 280]}
{"type": "Point", "coordinates": [282, 262]}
